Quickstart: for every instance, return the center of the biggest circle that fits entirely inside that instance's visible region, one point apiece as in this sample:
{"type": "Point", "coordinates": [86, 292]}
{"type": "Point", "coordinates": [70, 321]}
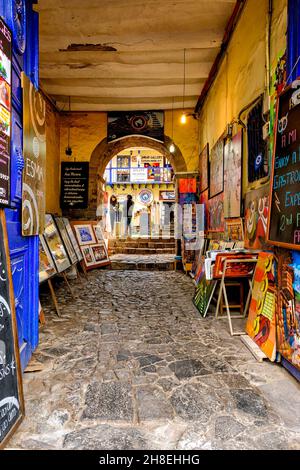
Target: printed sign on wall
{"type": "Point", "coordinates": [74, 185]}
{"type": "Point", "coordinates": [34, 138]}
{"type": "Point", "coordinates": [146, 123]}
{"type": "Point", "coordinates": [5, 112]}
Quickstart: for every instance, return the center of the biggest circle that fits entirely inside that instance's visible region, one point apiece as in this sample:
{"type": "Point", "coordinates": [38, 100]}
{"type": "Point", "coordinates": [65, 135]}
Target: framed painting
{"type": "Point", "coordinates": [215, 209]}
{"type": "Point", "coordinates": [233, 176]}
{"type": "Point", "coordinates": [98, 233]}
{"type": "Point", "coordinates": [204, 294]}
{"type": "Point", "coordinates": [256, 218]}
{"type": "Point", "coordinates": [85, 235]}
{"type": "Point", "coordinates": [261, 323]}
{"type": "Point", "coordinates": [55, 244]}
{"type": "Point", "coordinates": [66, 239]}
{"type": "Point", "coordinates": [11, 390]}
{"type": "Point", "coordinates": [72, 238]}
{"type": "Point", "coordinates": [234, 229]}
{"type": "Point", "coordinates": [216, 169]}
{"type": "Point", "coordinates": [88, 256]}
{"type": "Point", "coordinates": [100, 253]}
{"type": "Point", "coordinates": [47, 267]}
{"type": "Point", "coordinates": [203, 168]}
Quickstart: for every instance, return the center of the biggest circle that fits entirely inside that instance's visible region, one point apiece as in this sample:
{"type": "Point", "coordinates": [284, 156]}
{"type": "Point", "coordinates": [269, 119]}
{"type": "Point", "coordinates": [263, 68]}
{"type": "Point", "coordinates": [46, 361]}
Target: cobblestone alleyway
{"type": "Point", "coordinates": [131, 365]}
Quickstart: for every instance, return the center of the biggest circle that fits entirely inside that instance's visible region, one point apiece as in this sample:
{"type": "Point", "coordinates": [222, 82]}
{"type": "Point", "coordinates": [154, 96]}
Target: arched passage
{"type": "Point", "coordinates": [105, 151]}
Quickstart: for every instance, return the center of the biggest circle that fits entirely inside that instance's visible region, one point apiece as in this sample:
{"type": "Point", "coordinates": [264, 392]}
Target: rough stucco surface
{"type": "Point", "coordinates": [52, 160]}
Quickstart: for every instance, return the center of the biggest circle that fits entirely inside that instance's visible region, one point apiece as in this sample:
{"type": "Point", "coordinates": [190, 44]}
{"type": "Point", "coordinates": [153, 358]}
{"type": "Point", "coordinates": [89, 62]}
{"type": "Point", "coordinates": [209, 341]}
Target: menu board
{"type": "Point", "coordinates": [11, 394]}
{"type": "Point", "coordinates": [5, 112]}
{"type": "Point", "coordinates": [74, 185]}
{"type": "Point", "coordinates": [284, 215]}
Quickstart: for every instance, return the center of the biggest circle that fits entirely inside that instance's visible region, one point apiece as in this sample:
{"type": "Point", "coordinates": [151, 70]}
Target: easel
{"type": "Point", "coordinates": [223, 292]}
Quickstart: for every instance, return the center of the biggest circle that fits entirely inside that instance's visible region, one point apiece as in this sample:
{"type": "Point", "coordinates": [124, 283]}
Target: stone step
{"type": "Point", "coordinates": [141, 251]}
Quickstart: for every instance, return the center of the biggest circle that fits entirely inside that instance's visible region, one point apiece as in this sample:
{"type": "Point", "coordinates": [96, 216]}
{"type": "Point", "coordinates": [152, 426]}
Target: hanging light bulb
{"type": "Point", "coordinates": [183, 118]}
{"type": "Point", "coordinates": [172, 148]}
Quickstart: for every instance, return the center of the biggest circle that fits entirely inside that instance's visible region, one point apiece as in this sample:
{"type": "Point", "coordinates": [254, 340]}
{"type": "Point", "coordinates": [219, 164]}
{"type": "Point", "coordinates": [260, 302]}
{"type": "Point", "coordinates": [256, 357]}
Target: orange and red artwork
{"type": "Point", "coordinates": [261, 323]}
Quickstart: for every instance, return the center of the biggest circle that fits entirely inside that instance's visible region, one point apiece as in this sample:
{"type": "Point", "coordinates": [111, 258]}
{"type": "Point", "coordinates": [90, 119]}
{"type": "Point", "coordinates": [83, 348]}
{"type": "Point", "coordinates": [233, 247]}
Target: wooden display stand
{"type": "Point", "coordinates": [223, 292]}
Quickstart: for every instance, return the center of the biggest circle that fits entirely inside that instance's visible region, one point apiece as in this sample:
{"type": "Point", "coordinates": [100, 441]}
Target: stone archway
{"type": "Point", "coordinates": [105, 151]}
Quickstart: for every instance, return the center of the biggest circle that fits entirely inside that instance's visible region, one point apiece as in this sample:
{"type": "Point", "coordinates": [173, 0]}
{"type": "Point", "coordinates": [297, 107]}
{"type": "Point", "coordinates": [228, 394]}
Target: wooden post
{"type": "Point", "coordinates": [54, 297]}
{"type": "Point", "coordinates": [68, 285]}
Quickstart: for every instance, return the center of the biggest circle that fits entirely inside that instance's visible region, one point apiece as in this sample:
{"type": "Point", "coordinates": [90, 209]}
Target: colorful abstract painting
{"type": "Point", "coordinates": [204, 293]}
{"type": "Point", "coordinates": [233, 176]}
{"type": "Point", "coordinates": [216, 169]}
{"type": "Point", "coordinates": [256, 218]}
{"type": "Point", "coordinates": [261, 323]}
{"type": "Point", "coordinates": [288, 306]}
{"type": "Point", "coordinates": [203, 168]}
{"type": "Point", "coordinates": [215, 208]}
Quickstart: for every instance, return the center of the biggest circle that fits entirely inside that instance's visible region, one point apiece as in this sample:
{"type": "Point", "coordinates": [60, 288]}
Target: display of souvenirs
{"type": "Point", "coordinates": [72, 238]}
{"type": "Point", "coordinates": [67, 242]}
{"type": "Point", "coordinates": [261, 323]}
{"type": "Point", "coordinates": [46, 265]}
{"type": "Point", "coordinates": [288, 306]}
{"type": "Point", "coordinates": [91, 242]}
{"type": "Point", "coordinates": [256, 218]}
{"type": "Point", "coordinates": [55, 244]}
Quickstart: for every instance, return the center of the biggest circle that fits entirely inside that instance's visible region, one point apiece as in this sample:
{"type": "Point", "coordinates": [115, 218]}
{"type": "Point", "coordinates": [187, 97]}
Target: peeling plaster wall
{"type": "Point", "coordinates": [241, 77]}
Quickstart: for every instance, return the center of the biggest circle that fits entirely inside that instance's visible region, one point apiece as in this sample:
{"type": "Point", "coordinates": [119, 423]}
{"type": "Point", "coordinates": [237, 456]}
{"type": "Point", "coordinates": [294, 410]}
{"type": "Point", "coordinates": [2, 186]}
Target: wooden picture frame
{"type": "Point", "coordinates": [66, 240]}
{"type": "Point", "coordinates": [73, 238]}
{"type": "Point", "coordinates": [8, 402]}
{"type": "Point", "coordinates": [55, 244]}
{"type": "Point", "coordinates": [216, 169]}
{"type": "Point", "coordinates": [91, 248]}
{"type": "Point", "coordinates": [43, 249]}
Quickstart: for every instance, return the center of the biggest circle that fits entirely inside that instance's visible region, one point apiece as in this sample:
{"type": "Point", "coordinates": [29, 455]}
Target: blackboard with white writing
{"type": "Point", "coordinates": [284, 215]}
{"type": "Point", "coordinates": [74, 185]}
{"type": "Point", "coordinates": [11, 398]}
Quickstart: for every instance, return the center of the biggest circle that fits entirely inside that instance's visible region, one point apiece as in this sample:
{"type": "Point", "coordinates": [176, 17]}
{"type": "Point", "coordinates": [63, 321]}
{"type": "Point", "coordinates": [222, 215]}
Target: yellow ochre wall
{"type": "Point", "coordinates": [52, 160]}
{"type": "Point", "coordinates": [87, 130]}
{"type": "Point", "coordinates": [242, 75]}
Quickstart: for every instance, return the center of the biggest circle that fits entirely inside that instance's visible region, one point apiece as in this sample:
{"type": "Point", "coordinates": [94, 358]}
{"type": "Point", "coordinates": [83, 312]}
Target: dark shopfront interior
{"type": "Point", "coordinates": [149, 225]}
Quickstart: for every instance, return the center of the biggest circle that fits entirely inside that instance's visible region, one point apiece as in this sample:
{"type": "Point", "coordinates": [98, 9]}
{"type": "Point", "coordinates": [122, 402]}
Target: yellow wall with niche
{"type": "Point", "coordinates": [87, 130]}
{"type": "Point", "coordinates": [242, 76]}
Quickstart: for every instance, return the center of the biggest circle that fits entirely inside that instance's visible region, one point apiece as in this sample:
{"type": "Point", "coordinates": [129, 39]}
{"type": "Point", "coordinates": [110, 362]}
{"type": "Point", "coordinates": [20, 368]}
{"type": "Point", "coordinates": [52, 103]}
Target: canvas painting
{"type": "Point", "coordinates": [72, 238]}
{"type": "Point", "coordinates": [85, 234]}
{"type": "Point", "coordinates": [234, 229]}
{"type": "Point", "coordinates": [261, 323]}
{"type": "Point", "coordinates": [215, 208]}
{"type": "Point", "coordinates": [203, 168]}
{"type": "Point", "coordinates": [256, 218]}
{"type": "Point", "coordinates": [46, 265]}
{"type": "Point", "coordinates": [88, 256]}
{"type": "Point", "coordinates": [233, 176]}
{"type": "Point", "coordinates": [98, 233]}
{"type": "Point", "coordinates": [55, 244]}
{"type": "Point", "coordinates": [216, 169]}
{"type": "Point", "coordinates": [204, 293]}
{"type": "Point", "coordinates": [288, 306]}
{"type": "Point", "coordinates": [67, 242]}
{"type": "Point", "coordinates": [99, 252]}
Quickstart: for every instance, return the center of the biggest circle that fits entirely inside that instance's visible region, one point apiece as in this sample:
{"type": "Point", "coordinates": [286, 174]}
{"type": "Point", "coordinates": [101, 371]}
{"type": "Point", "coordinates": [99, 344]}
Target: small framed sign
{"type": "Point", "coordinates": [74, 185]}
{"type": "Point", "coordinates": [11, 391]}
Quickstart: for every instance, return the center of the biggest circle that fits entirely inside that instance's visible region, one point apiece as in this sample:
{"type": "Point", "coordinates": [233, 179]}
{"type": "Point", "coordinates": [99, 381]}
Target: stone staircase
{"type": "Point", "coordinates": [142, 246]}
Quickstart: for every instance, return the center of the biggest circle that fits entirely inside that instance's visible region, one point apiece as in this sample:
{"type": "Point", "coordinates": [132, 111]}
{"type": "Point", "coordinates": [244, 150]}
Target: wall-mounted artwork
{"type": "Point", "coordinates": [215, 208]}
{"type": "Point", "coordinates": [55, 244]}
{"type": "Point", "coordinates": [187, 185]}
{"type": "Point", "coordinates": [203, 168]}
{"type": "Point", "coordinates": [233, 176]}
{"type": "Point", "coordinates": [146, 123]}
{"type": "Point", "coordinates": [288, 306]}
{"type": "Point", "coordinates": [204, 200]}
{"type": "Point", "coordinates": [216, 169]}
{"type": "Point", "coordinates": [256, 218]}
{"type": "Point", "coordinates": [261, 323]}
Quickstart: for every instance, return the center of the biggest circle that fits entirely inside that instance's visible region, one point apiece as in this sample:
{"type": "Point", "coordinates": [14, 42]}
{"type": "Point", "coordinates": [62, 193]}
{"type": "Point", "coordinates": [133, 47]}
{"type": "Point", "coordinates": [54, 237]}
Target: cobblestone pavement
{"type": "Point", "coordinates": [131, 365]}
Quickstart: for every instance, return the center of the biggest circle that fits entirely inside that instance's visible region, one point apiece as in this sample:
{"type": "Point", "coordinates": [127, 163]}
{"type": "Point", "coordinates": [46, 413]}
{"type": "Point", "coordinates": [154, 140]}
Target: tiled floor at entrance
{"type": "Point", "coordinates": [131, 365]}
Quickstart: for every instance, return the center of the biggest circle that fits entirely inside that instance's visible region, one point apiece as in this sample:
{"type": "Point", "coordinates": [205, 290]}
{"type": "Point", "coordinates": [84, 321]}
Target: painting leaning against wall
{"type": "Point", "coordinates": [256, 218]}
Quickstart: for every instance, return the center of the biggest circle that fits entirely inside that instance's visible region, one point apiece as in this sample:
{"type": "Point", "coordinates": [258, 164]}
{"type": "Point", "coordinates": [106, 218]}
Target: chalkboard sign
{"type": "Point", "coordinates": [74, 185]}
{"type": "Point", "coordinates": [11, 394]}
{"type": "Point", "coordinates": [284, 215]}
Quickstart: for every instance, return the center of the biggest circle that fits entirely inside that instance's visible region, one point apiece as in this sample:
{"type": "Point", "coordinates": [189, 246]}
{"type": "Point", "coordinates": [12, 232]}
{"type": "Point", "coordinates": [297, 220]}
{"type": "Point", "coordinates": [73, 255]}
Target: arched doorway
{"type": "Point", "coordinates": [105, 151]}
